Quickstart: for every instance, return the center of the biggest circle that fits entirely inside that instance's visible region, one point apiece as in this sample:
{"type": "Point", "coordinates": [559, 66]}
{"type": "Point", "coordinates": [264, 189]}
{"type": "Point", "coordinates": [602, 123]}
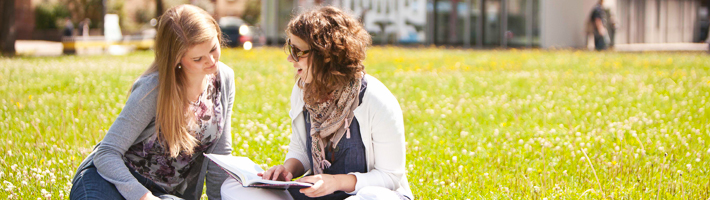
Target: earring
{"type": "Point", "coordinates": [179, 66]}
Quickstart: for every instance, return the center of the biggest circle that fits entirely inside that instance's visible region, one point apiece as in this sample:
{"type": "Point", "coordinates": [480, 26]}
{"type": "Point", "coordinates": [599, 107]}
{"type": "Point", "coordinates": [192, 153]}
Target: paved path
{"type": "Point", "coordinates": [38, 48]}
{"type": "Point", "coordinates": [49, 48]}
{"type": "Point", "coordinates": [662, 47]}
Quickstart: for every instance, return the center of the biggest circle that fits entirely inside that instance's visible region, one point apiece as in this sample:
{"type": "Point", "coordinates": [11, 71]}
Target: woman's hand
{"type": "Point", "coordinates": [149, 196]}
{"type": "Point", "coordinates": [325, 184]}
{"type": "Point", "coordinates": [276, 173]}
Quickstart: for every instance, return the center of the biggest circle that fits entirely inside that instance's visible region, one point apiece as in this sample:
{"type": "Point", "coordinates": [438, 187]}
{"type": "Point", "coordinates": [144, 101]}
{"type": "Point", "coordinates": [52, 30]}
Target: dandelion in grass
{"type": "Point", "coordinates": [46, 194]}
{"type": "Point", "coordinates": [8, 186]}
{"type": "Point", "coordinates": [464, 133]}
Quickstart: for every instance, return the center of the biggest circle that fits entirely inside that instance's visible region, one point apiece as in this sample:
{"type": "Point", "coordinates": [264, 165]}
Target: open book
{"type": "Point", "coordinates": [245, 170]}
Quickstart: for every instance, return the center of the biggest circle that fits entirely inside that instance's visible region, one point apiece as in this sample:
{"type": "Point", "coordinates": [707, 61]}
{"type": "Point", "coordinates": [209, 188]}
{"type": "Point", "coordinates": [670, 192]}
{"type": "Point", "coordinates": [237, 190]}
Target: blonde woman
{"type": "Point", "coordinates": [177, 110]}
{"type": "Point", "coordinates": [347, 126]}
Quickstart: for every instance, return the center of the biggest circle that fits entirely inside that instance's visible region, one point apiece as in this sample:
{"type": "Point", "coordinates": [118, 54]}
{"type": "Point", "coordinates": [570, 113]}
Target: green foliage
{"type": "Point", "coordinates": [479, 124]}
{"type": "Point", "coordinates": [48, 15]}
{"type": "Point", "coordinates": [143, 15]}
{"type": "Point", "coordinates": [115, 7]}
{"type": "Point", "coordinates": [82, 9]}
{"type": "Point", "coordinates": [252, 13]}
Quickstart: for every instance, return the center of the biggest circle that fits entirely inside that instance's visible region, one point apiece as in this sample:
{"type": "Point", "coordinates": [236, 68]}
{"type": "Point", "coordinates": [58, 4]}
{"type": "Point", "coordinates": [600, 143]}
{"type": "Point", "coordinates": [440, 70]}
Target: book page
{"type": "Point", "coordinates": [241, 166]}
{"type": "Point", "coordinates": [245, 171]}
{"type": "Point", "coordinates": [247, 167]}
{"type": "Point", "coordinates": [278, 184]}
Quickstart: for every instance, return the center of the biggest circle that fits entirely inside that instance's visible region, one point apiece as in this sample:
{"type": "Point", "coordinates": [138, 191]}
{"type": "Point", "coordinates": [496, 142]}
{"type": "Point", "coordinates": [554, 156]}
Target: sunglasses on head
{"type": "Point", "coordinates": [294, 51]}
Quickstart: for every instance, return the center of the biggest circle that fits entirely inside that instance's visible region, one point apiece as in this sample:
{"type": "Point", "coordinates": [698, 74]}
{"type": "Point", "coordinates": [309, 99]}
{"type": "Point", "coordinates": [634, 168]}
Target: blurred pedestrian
{"type": "Point", "coordinates": [598, 19]}
{"type": "Point", "coordinates": [84, 27]}
{"type": "Point", "coordinates": [68, 28]}
{"type": "Point", "coordinates": [610, 26]}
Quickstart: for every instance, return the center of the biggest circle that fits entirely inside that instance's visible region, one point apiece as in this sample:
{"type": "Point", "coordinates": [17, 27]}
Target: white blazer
{"type": "Point", "coordinates": [382, 131]}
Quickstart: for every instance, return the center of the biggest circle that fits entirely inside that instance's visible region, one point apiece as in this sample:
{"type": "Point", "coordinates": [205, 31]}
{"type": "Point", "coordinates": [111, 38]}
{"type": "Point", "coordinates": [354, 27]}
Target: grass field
{"type": "Point", "coordinates": [479, 124]}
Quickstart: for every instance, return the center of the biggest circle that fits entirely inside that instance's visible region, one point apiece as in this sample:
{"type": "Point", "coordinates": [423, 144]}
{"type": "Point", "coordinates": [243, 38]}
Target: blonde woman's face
{"type": "Point", "coordinates": [202, 58]}
{"type": "Point", "coordinates": [302, 67]}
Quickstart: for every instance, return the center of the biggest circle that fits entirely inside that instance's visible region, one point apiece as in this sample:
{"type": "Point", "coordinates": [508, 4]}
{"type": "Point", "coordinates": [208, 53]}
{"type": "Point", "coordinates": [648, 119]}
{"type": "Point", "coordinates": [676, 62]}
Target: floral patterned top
{"type": "Point", "coordinates": [150, 159]}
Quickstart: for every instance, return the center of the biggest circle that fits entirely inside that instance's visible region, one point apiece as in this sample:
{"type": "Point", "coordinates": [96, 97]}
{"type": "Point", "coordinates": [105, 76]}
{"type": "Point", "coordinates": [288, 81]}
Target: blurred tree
{"type": "Point", "coordinates": [7, 27]}
{"type": "Point", "coordinates": [143, 15]}
{"type": "Point", "coordinates": [252, 12]}
{"type": "Point", "coordinates": [82, 9]}
{"type": "Point", "coordinates": [207, 5]}
{"type": "Point", "coordinates": [48, 16]}
{"type": "Point", "coordinates": [159, 8]}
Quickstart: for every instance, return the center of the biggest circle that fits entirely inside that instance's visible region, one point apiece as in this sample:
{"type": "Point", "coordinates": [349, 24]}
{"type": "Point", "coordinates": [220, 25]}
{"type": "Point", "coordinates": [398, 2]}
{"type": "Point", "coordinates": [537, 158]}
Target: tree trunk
{"type": "Point", "coordinates": [7, 27]}
{"type": "Point", "coordinates": [104, 10]}
{"type": "Point", "coordinates": [159, 9]}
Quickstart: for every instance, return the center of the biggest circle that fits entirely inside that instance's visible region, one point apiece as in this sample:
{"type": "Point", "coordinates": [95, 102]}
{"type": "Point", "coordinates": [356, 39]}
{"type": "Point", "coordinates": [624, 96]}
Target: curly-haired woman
{"type": "Point", "coordinates": [177, 110]}
{"type": "Point", "coordinates": [347, 126]}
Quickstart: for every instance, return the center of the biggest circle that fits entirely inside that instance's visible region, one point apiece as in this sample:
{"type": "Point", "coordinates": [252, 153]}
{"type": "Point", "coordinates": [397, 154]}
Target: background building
{"type": "Point", "coordinates": [661, 21]}
{"type": "Point", "coordinates": [466, 23]}
{"type": "Point", "coordinates": [506, 23]}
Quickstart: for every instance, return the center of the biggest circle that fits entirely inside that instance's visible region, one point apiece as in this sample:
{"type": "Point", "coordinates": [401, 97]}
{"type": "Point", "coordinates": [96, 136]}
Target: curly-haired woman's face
{"type": "Point", "coordinates": [303, 64]}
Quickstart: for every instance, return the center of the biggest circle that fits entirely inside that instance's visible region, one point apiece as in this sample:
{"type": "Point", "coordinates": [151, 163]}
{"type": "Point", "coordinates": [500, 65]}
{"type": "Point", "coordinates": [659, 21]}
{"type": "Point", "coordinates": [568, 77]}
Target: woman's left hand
{"type": "Point", "coordinates": [323, 184]}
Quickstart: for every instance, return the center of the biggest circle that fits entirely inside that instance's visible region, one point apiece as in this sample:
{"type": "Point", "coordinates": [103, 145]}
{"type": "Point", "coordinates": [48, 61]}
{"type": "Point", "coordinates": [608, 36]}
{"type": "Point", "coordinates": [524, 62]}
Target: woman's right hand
{"type": "Point", "coordinates": [149, 196]}
{"type": "Point", "coordinates": [277, 173]}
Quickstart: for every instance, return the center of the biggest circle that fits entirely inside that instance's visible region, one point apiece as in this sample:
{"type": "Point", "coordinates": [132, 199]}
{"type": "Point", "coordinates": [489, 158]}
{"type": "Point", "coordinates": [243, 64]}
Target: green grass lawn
{"type": "Point", "coordinates": [479, 124]}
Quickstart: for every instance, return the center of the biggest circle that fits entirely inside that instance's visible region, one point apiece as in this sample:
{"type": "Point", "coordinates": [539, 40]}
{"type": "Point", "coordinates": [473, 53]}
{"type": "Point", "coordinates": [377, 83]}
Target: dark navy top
{"type": "Point", "coordinates": [347, 157]}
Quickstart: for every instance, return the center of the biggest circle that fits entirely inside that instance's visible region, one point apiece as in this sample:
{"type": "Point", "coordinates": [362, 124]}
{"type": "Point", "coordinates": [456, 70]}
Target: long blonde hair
{"type": "Point", "coordinates": [179, 28]}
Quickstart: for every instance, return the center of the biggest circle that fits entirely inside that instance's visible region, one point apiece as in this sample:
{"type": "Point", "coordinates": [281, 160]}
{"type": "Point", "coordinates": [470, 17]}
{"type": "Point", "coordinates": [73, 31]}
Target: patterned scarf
{"type": "Point", "coordinates": [330, 120]}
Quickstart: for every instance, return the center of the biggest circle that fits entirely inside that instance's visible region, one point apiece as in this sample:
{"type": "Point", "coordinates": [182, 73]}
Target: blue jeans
{"type": "Point", "coordinates": [90, 185]}
{"type": "Point", "coordinates": [599, 43]}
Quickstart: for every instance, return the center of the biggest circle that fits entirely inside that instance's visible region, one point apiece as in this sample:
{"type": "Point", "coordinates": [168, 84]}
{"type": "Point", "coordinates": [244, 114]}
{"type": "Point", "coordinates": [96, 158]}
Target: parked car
{"type": "Point", "coordinates": [239, 33]}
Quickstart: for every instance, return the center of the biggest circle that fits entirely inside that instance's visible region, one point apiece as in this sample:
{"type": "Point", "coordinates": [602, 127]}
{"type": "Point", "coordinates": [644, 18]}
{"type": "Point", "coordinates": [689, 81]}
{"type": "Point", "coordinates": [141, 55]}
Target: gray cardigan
{"type": "Point", "coordinates": [136, 122]}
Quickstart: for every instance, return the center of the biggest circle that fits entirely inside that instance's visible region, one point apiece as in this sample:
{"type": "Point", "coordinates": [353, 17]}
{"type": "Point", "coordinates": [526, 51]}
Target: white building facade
{"type": "Point", "coordinates": [506, 23]}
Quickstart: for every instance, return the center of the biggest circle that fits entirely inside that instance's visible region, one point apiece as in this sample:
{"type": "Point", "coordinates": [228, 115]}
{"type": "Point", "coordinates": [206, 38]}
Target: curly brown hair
{"type": "Point", "coordinates": [337, 42]}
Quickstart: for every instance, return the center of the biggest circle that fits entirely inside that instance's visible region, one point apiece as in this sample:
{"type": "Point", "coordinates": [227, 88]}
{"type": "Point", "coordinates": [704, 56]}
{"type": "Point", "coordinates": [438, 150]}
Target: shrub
{"type": "Point", "coordinates": [48, 15]}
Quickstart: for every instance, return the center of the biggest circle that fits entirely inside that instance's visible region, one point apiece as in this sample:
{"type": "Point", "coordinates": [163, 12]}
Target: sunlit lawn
{"type": "Point", "coordinates": [479, 124]}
